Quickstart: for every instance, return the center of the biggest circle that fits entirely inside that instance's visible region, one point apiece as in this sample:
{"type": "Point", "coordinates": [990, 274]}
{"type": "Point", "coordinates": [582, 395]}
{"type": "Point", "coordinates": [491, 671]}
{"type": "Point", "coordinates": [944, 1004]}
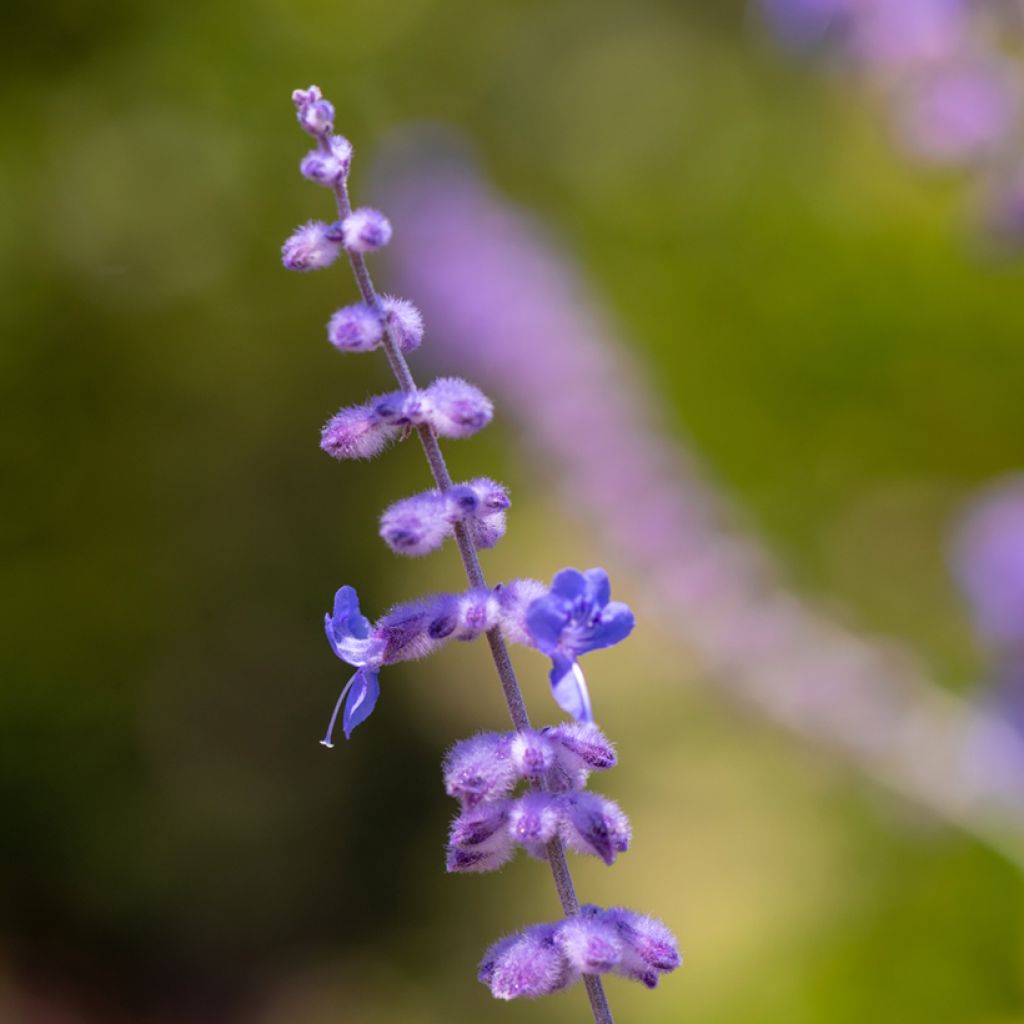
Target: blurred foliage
{"type": "Point", "coordinates": [176, 846]}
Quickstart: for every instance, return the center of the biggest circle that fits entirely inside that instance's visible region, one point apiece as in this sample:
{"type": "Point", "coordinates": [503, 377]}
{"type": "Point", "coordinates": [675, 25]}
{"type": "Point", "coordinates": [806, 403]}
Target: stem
{"type": "Point", "coordinates": [475, 574]}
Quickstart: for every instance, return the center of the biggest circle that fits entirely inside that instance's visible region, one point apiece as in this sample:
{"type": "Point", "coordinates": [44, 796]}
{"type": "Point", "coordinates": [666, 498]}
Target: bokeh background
{"type": "Point", "coordinates": [826, 332]}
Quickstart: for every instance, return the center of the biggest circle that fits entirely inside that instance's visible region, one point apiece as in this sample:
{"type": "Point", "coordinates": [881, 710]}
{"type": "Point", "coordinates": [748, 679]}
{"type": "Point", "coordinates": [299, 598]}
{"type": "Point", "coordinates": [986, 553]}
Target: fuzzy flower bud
{"type": "Point", "coordinates": [534, 821]}
{"type": "Point", "coordinates": [479, 839]}
{"type": "Point", "coordinates": [311, 246]}
{"type": "Point", "coordinates": [355, 328]}
{"type": "Point", "coordinates": [356, 432]}
{"type": "Point", "coordinates": [407, 319]}
{"type": "Point", "coordinates": [526, 965]}
{"type": "Point", "coordinates": [594, 824]}
{"type": "Point", "coordinates": [417, 628]}
{"type": "Point", "coordinates": [315, 114]}
{"type": "Point", "coordinates": [455, 408]}
{"type": "Point", "coordinates": [479, 769]}
{"type": "Point", "coordinates": [365, 230]}
{"type": "Point", "coordinates": [649, 948]}
{"type": "Point", "coordinates": [416, 525]}
{"type": "Point", "coordinates": [533, 754]}
{"type": "Point", "coordinates": [478, 611]}
{"type": "Point", "coordinates": [590, 944]}
{"type": "Point", "coordinates": [328, 168]}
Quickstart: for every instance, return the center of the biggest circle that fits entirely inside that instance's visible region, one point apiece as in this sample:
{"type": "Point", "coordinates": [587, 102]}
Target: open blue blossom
{"type": "Point", "coordinates": [348, 632]}
{"type": "Point", "coordinates": [576, 616]}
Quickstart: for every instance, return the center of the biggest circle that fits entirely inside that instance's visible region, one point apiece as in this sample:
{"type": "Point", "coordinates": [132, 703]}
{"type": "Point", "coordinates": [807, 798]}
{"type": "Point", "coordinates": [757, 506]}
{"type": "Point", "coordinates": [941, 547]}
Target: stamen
{"type": "Point", "coordinates": [326, 741]}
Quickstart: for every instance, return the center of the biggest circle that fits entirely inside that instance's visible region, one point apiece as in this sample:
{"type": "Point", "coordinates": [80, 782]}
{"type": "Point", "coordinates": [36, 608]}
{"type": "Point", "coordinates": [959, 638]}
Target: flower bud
{"type": "Point", "coordinates": [532, 753]}
{"type": "Point", "coordinates": [478, 612]}
{"type": "Point", "coordinates": [416, 525]}
{"type": "Point", "coordinates": [525, 965]}
{"type": "Point", "coordinates": [590, 944]}
{"type": "Point", "coordinates": [310, 247]}
{"type": "Point", "coordinates": [649, 948]}
{"type": "Point", "coordinates": [514, 599]}
{"type": "Point", "coordinates": [407, 319]}
{"type": "Point", "coordinates": [365, 230]}
{"type": "Point", "coordinates": [355, 328]}
{"type": "Point", "coordinates": [479, 839]}
{"type": "Point", "coordinates": [455, 408]}
{"type": "Point", "coordinates": [479, 769]}
{"type": "Point", "coordinates": [593, 824]}
{"type": "Point", "coordinates": [534, 821]}
{"type": "Point", "coordinates": [315, 114]}
{"type": "Point", "coordinates": [356, 432]}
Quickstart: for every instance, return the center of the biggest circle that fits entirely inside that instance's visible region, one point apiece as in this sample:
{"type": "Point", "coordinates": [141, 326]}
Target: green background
{"type": "Point", "coordinates": [845, 355]}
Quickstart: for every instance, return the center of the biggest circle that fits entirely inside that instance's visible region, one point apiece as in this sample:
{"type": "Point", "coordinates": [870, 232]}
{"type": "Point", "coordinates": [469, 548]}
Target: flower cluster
{"type": "Point", "coordinates": [482, 772]}
{"type": "Point", "coordinates": [572, 617]}
{"type": "Point", "coordinates": [422, 523]}
{"type": "Point", "coordinates": [946, 75]}
{"type": "Point", "coordinates": [547, 958]}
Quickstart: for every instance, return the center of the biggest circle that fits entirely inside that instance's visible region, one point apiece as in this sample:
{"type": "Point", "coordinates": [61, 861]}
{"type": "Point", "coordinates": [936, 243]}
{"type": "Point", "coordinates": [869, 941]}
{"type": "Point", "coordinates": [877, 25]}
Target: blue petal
{"type": "Point", "coordinates": [348, 621]}
{"type": "Point", "coordinates": [616, 624]}
{"type": "Point", "coordinates": [569, 584]}
{"type": "Point", "coordinates": [362, 699]}
{"type": "Point", "coordinates": [569, 689]}
{"type": "Point", "coordinates": [546, 619]}
{"type": "Point", "coordinates": [599, 590]}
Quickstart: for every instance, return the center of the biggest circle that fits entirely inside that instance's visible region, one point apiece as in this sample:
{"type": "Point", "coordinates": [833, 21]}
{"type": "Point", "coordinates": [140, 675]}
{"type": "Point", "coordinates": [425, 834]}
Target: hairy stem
{"type": "Point", "coordinates": [475, 575]}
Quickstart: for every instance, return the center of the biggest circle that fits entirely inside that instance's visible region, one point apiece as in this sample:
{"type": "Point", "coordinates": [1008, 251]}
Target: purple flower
{"type": "Point", "coordinates": [312, 246]}
{"type": "Point", "coordinates": [957, 113]}
{"type": "Point", "coordinates": [315, 114]}
{"type": "Point", "coordinates": [416, 525]}
{"type": "Point", "coordinates": [576, 616]}
{"type": "Point", "coordinates": [365, 230]}
{"type": "Point", "coordinates": [348, 632]}
{"type": "Point", "coordinates": [988, 561]}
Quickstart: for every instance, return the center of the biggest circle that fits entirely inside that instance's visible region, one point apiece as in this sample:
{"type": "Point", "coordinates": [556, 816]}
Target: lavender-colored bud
{"type": "Point", "coordinates": [487, 531]}
{"type": "Point", "coordinates": [365, 230]}
{"type": "Point", "coordinates": [479, 769]}
{"type": "Point", "coordinates": [315, 114]}
{"type": "Point", "coordinates": [648, 946]}
{"type": "Point", "coordinates": [479, 839]}
{"type": "Point", "coordinates": [416, 525]}
{"type": "Point", "coordinates": [534, 821]}
{"type": "Point", "coordinates": [492, 496]}
{"type": "Point", "coordinates": [397, 407]}
{"type": "Point", "coordinates": [526, 965]}
{"type": "Point", "coordinates": [455, 408]}
{"type": "Point", "coordinates": [463, 502]}
{"type": "Point", "coordinates": [407, 319]}
{"type": "Point", "coordinates": [585, 741]}
{"type": "Point", "coordinates": [478, 861]}
{"type": "Point", "coordinates": [533, 754]}
{"type": "Point", "coordinates": [328, 168]}
{"type": "Point", "coordinates": [310, 247]}
{"type": "Point", "coordinates": [478, 611]}
{"type": "Point", "coordinates": [590, 944]}
{"type": "Point", "coordinates": [356, 432]}
{"type": "Point", "coordinates": [415, 629]}
{"type": "Point", "coordinates": [594, 824]}
{"type": "Point", "coordinates": [355, 328]}
{"type": "Point", "coordinates": [515, 598]}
